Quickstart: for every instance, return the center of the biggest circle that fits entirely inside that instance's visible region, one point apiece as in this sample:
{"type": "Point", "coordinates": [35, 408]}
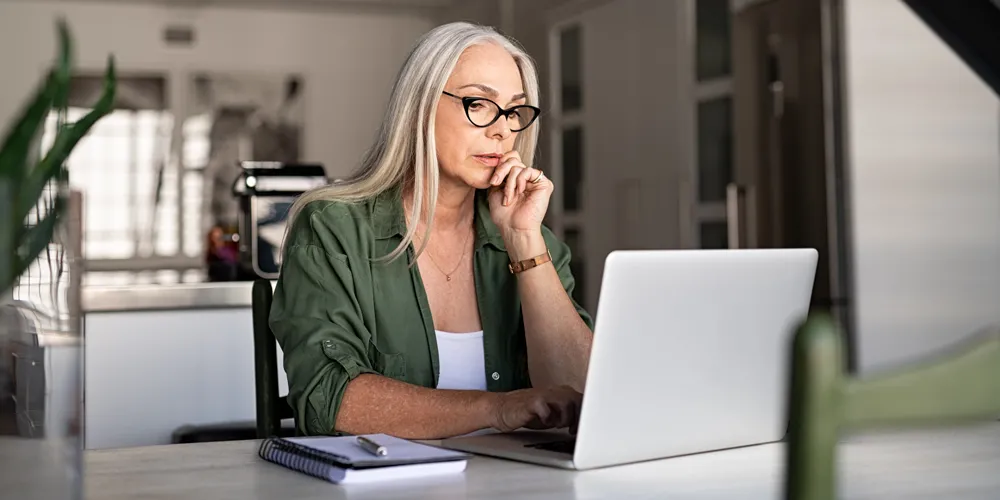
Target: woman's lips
{"type": "Point", "coordinates": [488, 160]}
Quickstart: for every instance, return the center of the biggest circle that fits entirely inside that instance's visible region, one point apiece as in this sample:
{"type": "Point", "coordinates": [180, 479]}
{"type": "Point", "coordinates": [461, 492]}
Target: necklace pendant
{"type": "Point", "coordinates": [447, 277]}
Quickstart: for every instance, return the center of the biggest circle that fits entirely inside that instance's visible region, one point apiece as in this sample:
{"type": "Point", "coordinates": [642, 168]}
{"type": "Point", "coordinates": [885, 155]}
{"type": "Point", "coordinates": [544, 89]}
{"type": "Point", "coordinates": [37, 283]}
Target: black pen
{"type": "Point", "coordinates": [372, 447]}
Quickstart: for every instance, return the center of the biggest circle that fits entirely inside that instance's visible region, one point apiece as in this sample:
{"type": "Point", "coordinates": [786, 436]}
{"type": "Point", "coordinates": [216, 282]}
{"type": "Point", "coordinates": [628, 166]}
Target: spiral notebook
{"type": "Point", "coordinates": [342, 460]}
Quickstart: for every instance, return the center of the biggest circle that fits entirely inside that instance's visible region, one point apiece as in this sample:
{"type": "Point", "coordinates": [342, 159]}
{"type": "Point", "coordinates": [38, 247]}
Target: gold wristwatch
{"type": "Point", "coordinates": [524, 265]}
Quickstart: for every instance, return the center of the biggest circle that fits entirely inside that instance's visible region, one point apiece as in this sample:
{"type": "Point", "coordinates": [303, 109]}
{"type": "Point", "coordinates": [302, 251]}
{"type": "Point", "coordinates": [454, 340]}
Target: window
{"type": "Point", "coordinates": [134, 228]}
{"type": "Point", "coordinates": [570, 74]}
{"type": "Point", "coordinates": [117, 167]}
{"type": "Point", "coordinates": [712, 47]}
{"type": "Point", "coordinates": [566, 215]}
{"type": "Point", "coordinates": [196, 150]}
{"type": "Point", "coordinates": [572, 165]}
{"type": "Point", "coordinates": [713, 165]}
{"type": "Point", "coordinates": [715, 148]}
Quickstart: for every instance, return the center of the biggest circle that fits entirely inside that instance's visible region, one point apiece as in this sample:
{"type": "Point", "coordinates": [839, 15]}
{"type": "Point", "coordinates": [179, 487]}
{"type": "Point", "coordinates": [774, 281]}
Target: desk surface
{"type": "Point", "coordinates": [953, 464]}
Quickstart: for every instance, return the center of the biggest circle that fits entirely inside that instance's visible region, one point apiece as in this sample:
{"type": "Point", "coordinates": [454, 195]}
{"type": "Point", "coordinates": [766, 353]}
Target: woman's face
{"type": "Point", "coordinates": [466, 153]}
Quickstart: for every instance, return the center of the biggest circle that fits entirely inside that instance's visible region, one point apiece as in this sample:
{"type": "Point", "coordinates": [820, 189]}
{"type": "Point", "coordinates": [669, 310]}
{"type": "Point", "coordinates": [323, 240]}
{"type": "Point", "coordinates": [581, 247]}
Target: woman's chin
{"type": "Point", "coordinates": [476, 179]}
{"type": "Point", "coordinates": [482, 185]}
{"type": "Point", "coordinates": [480, 181]}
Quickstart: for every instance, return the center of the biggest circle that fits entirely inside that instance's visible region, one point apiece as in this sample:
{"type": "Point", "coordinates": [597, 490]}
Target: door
{"type": "Point", "coordinates": [614, 97]}
{"type": "Point", "coordinates": [788, 188]}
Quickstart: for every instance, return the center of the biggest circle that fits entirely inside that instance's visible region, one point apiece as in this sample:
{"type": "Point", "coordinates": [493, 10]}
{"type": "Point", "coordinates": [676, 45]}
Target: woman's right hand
{"type": "Point", "coordinates": [548, 408]}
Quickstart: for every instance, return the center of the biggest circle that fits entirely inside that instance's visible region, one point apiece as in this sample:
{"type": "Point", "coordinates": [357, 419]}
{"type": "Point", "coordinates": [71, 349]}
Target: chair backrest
{"type": "Point", "coordinates": [271, 406]}
{"type": "Point", "coordinates": [960, 384]}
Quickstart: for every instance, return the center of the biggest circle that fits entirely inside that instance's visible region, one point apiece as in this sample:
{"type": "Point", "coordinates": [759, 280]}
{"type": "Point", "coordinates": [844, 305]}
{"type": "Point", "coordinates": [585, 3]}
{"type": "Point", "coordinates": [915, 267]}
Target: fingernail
{"type": "Point", "coordinates": [505, 200]}
{"type": "Point", "coordinates": [496, 179]}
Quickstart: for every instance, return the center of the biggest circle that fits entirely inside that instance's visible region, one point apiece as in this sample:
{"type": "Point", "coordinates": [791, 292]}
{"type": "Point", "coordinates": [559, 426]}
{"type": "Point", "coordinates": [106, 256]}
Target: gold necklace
{"type": "Point", "coordinates": [447, 276]}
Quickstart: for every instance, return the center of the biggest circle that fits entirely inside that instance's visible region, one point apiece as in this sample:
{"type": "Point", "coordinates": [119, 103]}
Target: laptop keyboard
{"type": "Point", "coordinates": [561, 446]}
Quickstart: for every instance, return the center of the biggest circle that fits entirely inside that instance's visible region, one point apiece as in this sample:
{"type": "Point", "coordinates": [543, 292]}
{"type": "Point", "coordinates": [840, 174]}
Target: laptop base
{"type": "Point", "coordinates": [523, 446]}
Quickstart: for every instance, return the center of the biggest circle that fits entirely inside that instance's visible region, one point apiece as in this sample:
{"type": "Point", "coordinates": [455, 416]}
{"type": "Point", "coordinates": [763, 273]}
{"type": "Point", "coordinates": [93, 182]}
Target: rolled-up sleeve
{"type": "Point", "coordinates": [317, 321]}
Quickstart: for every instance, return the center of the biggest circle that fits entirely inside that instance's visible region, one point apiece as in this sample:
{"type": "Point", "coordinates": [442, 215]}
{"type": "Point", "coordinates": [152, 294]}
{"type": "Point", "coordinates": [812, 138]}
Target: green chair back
{"type": "Point", "coordinates": [957, 385]}
{"type": "Point", "coordinates": [271, 406]}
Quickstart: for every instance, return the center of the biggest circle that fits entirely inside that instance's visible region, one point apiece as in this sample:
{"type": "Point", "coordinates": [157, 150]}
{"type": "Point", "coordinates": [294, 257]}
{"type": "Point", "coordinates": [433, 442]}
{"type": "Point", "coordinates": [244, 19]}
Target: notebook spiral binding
{"type": "Point", "coordinates": [297, 457]}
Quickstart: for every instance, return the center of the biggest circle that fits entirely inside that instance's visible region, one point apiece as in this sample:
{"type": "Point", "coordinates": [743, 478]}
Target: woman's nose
{"type": "Point", "coordinates": [500, 128]}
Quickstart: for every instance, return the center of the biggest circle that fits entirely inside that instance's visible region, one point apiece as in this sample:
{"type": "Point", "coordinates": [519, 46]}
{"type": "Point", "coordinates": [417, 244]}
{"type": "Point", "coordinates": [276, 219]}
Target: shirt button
{"type": "Point", "coordinates": [496, 376]}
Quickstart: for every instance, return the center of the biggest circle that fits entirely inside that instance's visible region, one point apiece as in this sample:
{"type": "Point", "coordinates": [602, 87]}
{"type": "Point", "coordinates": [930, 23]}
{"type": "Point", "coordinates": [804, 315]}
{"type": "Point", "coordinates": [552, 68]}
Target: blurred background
{"type": "Point", "coordinates": [868, 129]}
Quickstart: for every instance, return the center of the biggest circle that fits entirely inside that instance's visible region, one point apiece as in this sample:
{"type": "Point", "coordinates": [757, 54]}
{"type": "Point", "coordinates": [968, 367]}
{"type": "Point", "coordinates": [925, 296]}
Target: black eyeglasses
{"type": "Point", "coordinates": [483, 112]}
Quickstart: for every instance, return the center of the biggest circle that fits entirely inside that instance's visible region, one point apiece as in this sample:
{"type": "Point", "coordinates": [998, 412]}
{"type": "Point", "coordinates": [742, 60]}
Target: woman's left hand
{"type": "Point", "coordinates": [519, 197]}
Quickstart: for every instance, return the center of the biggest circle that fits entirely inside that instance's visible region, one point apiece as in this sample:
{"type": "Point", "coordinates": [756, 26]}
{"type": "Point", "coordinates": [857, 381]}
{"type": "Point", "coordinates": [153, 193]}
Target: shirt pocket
{"type": "Point", "coordinates": [392, 365]}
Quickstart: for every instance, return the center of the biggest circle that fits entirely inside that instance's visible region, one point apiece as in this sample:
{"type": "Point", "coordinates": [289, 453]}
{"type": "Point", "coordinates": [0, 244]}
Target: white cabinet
{"type": "Point", "coordinates": [149, 372]}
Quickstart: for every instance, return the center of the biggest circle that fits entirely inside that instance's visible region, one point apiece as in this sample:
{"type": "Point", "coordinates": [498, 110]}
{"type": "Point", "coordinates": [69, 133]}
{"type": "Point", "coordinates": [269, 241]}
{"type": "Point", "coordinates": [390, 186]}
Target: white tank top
{"type": "Point", "coordinates": [461, 361]}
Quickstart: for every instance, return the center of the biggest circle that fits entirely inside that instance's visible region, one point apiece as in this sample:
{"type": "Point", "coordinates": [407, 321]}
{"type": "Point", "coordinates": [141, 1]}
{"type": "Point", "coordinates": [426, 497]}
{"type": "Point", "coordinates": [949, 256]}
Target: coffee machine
{"type": "Point", "coordinates": [265, 191]}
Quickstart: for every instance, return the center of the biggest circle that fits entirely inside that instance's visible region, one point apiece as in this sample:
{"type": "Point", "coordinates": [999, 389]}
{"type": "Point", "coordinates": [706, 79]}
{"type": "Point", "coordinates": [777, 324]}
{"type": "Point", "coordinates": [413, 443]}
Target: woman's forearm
{"type": "Point", "coordinates": [377, 404]}
{"type": "Point", "coordinates": [558, 340]}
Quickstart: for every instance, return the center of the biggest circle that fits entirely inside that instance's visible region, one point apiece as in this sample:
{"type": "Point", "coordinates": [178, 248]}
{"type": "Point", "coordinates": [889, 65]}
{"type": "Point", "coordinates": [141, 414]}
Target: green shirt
{"type": "Point", "coordinates": [338, 312]}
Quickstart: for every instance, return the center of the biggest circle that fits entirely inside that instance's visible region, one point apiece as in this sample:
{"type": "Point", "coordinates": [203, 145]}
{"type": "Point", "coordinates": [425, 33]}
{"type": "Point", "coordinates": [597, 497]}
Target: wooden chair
{"type": "Point", "coordinates": [272, 408]}
{"type": "Point", "coordinates": [958, 385]}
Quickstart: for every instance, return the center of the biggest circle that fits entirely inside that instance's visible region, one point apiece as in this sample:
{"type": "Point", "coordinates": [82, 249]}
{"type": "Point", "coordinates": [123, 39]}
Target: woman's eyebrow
{"type": "Point", "coordinates": [486, 89]}
{"type": "Point", "coordinates": [492, 92]}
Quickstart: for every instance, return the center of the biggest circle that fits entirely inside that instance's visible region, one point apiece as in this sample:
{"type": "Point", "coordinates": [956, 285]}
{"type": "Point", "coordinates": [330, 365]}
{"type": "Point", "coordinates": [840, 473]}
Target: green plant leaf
{"type": "Point", "coordinates": [63, 69]}
{"type": "Point", "coordinates": [54, 91]}
{"type": "Point", "coordinates": [7, 275]}
{"type": "Point", "coordinates": [38, 237]}
{"type": "Point", "coordinates": [52, 165]}
{"type": "Point", "coordinates": [23, 178]}
{"type": "Point", "coordinates": [14, 151]}
{"type": "Point", "coordinates": [15, 155]}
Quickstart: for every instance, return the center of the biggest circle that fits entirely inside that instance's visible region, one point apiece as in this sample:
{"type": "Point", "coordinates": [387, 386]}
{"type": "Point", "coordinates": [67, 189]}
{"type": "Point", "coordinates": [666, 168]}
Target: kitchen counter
{"type": "Point", "coordinates": [163, 357]}
{"type": "Point", "coordinates": [217, 295]}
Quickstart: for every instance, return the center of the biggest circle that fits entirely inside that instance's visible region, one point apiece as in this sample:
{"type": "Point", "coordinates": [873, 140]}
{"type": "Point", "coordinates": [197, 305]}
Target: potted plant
{"type": "Point", "coordinates": [41, 458]}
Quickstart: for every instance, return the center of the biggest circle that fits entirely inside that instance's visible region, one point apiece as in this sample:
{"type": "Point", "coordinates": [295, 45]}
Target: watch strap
{"type": "Point", "coordinates": [523, 265]}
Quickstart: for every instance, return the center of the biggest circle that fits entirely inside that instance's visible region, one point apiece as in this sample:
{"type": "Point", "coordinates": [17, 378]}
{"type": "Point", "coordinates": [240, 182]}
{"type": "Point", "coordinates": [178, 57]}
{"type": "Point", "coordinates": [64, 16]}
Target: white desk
{"type": "Point", "coordinates": [955, 465]}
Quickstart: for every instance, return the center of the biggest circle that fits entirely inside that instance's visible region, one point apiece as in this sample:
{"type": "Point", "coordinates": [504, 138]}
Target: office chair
{"type": "Point", "coordinates": [959, 385]}
{"type": "Point", "coordinates": [271, 407]}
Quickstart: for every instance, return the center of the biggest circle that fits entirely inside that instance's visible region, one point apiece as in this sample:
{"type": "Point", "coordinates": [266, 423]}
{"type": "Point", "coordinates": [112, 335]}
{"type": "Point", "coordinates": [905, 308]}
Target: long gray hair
{"type": "Point", "coordinates": [404, 148]}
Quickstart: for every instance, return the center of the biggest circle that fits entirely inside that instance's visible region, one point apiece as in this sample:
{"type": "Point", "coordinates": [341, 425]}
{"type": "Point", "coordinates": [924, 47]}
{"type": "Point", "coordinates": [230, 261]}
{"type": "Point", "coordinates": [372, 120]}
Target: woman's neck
{"type": "Point", "coordinates": [454, 208]}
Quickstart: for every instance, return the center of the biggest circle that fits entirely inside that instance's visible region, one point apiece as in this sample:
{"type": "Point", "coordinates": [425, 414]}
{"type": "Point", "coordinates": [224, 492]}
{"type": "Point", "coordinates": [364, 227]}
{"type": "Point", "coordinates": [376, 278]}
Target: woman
{"type": "Point", "coordinates": [482, 332]}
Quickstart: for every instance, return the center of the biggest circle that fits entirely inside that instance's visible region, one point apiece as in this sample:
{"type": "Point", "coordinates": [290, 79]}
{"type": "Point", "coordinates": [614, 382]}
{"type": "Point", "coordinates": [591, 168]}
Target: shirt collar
{"type": "Point", "coordinates": [387, 214]}
{"type": "Point", "coordinates": [389, 221]}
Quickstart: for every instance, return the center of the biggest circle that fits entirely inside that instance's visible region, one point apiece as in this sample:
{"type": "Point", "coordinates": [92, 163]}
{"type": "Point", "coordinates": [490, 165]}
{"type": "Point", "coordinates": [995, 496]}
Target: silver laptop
{"type": "Point", "coordinates": [690, 355]}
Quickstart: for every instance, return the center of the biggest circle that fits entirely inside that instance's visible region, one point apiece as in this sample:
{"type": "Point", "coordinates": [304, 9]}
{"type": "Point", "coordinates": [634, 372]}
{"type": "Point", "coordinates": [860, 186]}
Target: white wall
{"type": "Point", "coordinates": [924, 155]}
{"type": "Point", "coordinates": [348, 58]}
{"type": "Point", "coordinates": [474, 11]}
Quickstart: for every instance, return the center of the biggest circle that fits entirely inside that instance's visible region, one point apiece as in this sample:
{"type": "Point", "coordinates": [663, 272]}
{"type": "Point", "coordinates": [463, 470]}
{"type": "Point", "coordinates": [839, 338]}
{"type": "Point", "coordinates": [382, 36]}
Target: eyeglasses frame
{"type": "Point", "coordinates": [468, 100]}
